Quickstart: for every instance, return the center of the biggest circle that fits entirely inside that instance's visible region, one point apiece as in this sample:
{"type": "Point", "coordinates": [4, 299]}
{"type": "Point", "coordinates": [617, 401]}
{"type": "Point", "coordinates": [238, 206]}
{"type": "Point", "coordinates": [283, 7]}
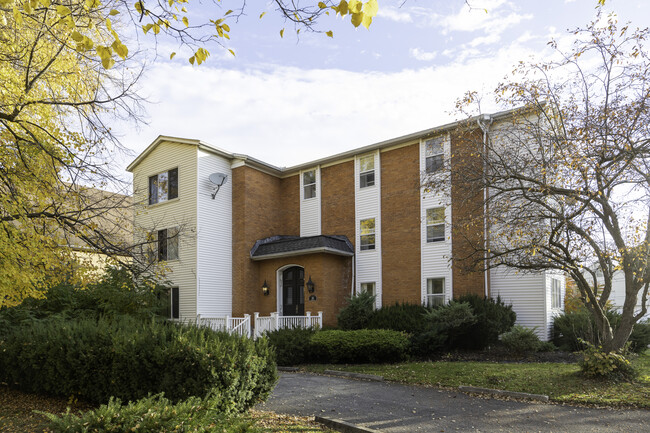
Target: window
{"type": "Point", "coordinates": [434, 152]}
{"type": "Point", "coordinates": [436, 224]}
{"type": "Point", "coordinates": [435, 292]}
{"type": "Point", "coordinates": [556, 293]}
{"type": "Point", "coordinates": [163, 186]}
{"type": "Point", "coordinates": [174, 311]}
{"type": "Point", "coordinates": [367, 230]}
{"type": "Point", "coordinates": [167, 242]}
{"type": "Point", "coordinates": [368, 287]}
{"type": "Point", "coordinates": [309, 184]}
{"type": "Point", "coordinates": [366, 171]}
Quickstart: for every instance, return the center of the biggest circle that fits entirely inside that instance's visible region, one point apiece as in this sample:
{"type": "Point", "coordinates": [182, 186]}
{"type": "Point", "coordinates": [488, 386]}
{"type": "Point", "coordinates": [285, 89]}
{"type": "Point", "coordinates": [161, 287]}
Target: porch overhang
{"type": "Point", "coordinates": [288, 246]}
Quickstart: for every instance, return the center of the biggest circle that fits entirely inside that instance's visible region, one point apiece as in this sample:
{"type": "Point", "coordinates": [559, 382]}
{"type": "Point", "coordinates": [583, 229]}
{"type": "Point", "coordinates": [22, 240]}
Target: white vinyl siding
{"type": "Point", "coordinates": [214, 237]}
{"type": "Point", "coordinates": [528, 295]}
{"type": "Point", "coordinates": [180, 212]}
{"type": "Point", "coordinates": [368, 206]}
{"type": "Point", "coordinates": [310, 206]}
{"type": "Point", "coordinates": [434, 256]}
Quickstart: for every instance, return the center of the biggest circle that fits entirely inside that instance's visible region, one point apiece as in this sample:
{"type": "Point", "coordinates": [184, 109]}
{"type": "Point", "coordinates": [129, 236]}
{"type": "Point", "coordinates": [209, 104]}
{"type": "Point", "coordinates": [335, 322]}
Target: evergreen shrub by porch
{"type": "Point", "coordinates": [359, 346]}
{"type": "Point", "coordinates": [493, 318]}
{"type": "Point", "coordinates": [357, 311]}
{"type": "Point", "coordinates": [128, 359]}
{"type": "Point", "coordinates": [291, 345]}
{"type": "Point", "coordinates": [407, 318]}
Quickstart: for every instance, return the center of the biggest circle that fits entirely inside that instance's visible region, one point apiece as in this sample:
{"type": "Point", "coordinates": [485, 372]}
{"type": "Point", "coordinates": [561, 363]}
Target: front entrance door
{"type": "Point", "coordinates": [293, 298]}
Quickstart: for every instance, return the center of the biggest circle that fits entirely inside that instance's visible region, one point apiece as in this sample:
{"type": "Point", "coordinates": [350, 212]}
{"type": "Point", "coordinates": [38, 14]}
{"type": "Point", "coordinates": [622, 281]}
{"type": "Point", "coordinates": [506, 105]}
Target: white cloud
{"type": "Point", "coordinates": [286, 115]}
{"type": "Point", "coordinates": [422, 55]}
{"type": "Point", "coordinates": [485, 40]}
{"type": "Point", "coordinates": [394, 14]}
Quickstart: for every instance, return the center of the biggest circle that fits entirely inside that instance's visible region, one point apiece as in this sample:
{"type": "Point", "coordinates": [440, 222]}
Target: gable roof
{"type": "Point", "coordinates": [284, 171]}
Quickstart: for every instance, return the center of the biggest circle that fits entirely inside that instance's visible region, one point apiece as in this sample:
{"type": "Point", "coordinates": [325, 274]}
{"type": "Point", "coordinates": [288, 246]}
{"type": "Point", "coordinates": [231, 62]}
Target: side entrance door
{"type": "Point", "coordinates": [293, 298]}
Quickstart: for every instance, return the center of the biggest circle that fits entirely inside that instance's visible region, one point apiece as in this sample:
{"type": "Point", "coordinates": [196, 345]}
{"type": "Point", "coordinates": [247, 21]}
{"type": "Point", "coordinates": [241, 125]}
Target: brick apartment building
{"type": "Point", "coordinates": [303, 238]}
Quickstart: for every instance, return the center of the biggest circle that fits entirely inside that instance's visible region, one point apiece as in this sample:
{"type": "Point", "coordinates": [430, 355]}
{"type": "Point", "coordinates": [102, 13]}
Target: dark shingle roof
{"type": "Point", "coordinates": [295, 245]}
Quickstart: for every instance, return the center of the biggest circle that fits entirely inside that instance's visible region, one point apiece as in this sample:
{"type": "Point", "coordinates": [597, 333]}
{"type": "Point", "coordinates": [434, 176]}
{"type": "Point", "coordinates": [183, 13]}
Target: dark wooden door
{"type": "Point", "coordinates": [293, 298]}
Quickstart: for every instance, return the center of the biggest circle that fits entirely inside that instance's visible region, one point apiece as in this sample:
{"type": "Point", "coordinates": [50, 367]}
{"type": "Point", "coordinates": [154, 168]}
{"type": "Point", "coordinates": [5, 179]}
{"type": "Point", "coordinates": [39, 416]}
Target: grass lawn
{"type": "Point", "coordinates": [17, 415]}
{"type": "Point", "coordinates": [561, 382]}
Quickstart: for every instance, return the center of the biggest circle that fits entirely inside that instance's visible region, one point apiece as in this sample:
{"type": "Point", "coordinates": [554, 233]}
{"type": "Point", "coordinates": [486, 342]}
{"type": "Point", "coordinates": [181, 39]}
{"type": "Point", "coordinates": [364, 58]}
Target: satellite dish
{"type": "Point", "coordinates": [218, 179]}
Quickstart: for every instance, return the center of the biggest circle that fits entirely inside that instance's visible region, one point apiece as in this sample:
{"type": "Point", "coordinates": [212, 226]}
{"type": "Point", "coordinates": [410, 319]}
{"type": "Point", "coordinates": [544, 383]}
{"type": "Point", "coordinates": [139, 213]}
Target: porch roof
{"type": "Point", "coordinates": [284, 246]}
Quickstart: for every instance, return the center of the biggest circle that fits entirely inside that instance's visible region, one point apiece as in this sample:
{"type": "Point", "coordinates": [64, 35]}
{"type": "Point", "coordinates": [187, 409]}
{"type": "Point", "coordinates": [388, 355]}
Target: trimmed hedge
{"type": "Point", "coordinates": [359, 346]}
{"type": "Point", "coordinates": [292, 346]}
{"type": "Point", "coordinates": [521, 340]}
{"type": "Point", "coordinates": [128, 359]}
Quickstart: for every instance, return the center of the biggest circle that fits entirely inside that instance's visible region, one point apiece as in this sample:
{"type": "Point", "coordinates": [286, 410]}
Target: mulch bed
{"type": "Point", "coordinates": [17, 410]}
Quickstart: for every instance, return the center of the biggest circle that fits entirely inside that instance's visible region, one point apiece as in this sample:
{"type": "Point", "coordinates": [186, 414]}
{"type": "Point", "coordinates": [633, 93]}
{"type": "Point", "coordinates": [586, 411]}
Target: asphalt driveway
{"type": "Point", "coordinates": [396, 408]}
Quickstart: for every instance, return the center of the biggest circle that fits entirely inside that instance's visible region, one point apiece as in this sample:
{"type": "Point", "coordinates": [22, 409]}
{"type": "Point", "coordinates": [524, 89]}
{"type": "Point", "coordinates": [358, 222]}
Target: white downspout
{"type": "Point", "coordinates": [484, 123]}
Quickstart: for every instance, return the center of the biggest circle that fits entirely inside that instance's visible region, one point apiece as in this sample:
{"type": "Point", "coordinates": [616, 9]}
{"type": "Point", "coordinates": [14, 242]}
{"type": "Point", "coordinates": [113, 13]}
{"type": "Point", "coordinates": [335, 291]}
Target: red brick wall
{"type": "Point", "coordinates": [256, 215]}
{"type": "Point", "coordinates": [337, 201]}
{"type": "Point", "coordinates": [467, 214]}
{"type": "Point", "coordinates": [290, 205]}
{"type": "Point", "coordinates": [331, 275]}
{"type": "Point", "coordinates": [400, 225]}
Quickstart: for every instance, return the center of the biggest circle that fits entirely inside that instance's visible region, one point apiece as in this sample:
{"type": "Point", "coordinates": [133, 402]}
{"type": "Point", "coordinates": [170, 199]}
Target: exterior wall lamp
{"type": "Point", "coordinates": [265, 288]}
{"type": "Point", "coordinates": [310, 285]}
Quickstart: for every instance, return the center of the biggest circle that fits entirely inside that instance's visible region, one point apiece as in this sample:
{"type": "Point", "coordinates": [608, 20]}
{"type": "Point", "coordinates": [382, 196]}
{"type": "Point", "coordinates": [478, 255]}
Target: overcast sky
{"type": "Point", "coordinates": [291, 100]}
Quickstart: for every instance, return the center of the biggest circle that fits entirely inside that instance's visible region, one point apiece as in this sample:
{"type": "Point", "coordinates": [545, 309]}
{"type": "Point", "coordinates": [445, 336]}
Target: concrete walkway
{"type": "Point", "coordinates": [390, 407]}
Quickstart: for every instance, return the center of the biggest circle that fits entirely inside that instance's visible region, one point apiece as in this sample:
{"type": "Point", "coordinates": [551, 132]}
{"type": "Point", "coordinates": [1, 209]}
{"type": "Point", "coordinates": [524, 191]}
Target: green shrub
{"type": "Point", "coordinates": [154, 414]}
{"type": "Point", "coordinates": [427, 343]}
{"type": "Point", "coordinates": [453, 321]}
{"type": "Point", "coordinates": [521, 340]}
{"type": "Point", "coordinates": [129, 359]}
{"type": "Point", "coordinates": [570, 328]}
{"type": "Point", "coordinates": [607, 365]}
{"type": "Point", "coordinates": [640, 337]}
{"type": "Point", "coordinates": [357, 311]}
{"type": "Point", "coordinates": [359, 346]}
{"type": "Point", "coordinates": [546, 346]}
{"type": "Point", "coordinates": [493, 318]}
{"type": "Point", "coordinates": [115, 294]}
{"type": "Point", "coordinates": [407, 318]}
{"type": "Point", "coordinates": [291, 345]}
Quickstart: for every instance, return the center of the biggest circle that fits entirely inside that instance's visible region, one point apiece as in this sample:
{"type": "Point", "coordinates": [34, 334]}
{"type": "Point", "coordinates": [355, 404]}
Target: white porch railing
{"type": "Point", "coordinates": [275, 322]}
{"type": "Point", "coordinates": [234, 325]}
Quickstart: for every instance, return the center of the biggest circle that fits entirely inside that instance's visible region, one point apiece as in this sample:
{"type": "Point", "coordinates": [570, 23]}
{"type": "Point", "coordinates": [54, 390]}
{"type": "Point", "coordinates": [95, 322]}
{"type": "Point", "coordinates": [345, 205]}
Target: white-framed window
{"type": "Point", "coordinates": [434, 149]}
{"type": "Point", "coordinates": [167, 244]}
{"type": "Point", "coordinates": [368, 287]}
{"type": "Point", "coordinates": [436, 224]}
{"type": "Point", "coordinates": [366, 171]}
{"type": "Point", "coordinates": [367, 234]}
{"type": "Point", "coordinates": [309, 184]}
{"type": "Point", "coordinates": [163, 186]}
{"type": "Point", "coordinates": [556, 293]}
{"type": "Point", "coordinates": [435, 292]}
{"type": "Point", "coordinates": [174, 301]}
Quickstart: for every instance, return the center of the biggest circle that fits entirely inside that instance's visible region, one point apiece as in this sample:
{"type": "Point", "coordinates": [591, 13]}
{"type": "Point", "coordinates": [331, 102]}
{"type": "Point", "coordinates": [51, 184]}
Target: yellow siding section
{"type": "Point", "coordinates": [180, 212]}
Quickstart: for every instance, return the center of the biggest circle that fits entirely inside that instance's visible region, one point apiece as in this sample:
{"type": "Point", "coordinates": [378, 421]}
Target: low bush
{"type": "Point", "coordinates": [154, 414]}
{"type": "Point", "coordinates": [291, 345]}
{"type": "Point", "coordinates": [493, 318]}
{"type": "Point", "coordinates": [129, 359]}
{"type": "Point", "coordinates": [521, 340]}
{"type": "Point", "coordinates": [572, 328]}
{"type": "Point", "coordinates": [407, 318]}
{"type": "Point", "coordinates": [640, 337]}
{"type": "Point", "coordinates": [359, 346]}
{"type": "Point", "coordinates": [606, 365]}
{"type": "Point", "coordinates": [356, 313]}
{"type": "Point", "coordinates": [547, 346]}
